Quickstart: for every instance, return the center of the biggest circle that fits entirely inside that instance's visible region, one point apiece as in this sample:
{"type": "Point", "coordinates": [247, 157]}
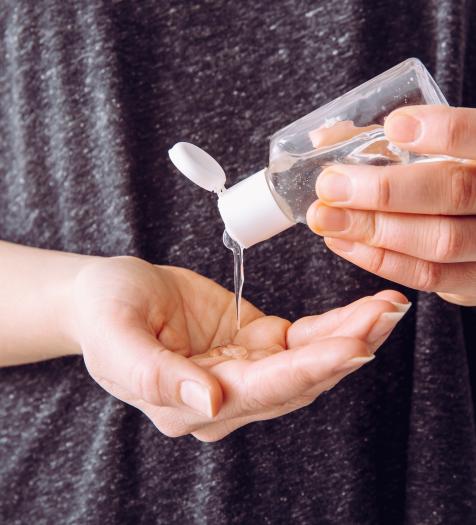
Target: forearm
{"type": "Point", "coordinates": [35, 303]}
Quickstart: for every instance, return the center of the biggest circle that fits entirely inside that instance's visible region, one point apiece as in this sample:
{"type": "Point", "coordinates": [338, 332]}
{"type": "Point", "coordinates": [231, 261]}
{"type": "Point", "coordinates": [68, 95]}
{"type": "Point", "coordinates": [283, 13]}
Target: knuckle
{"type": "Point", "coordinates": [450, 241]}
{"type": "Point", "coordinates": [377, 261]}
{"type": "Point", "coordinates": [456, 130]}
{"type": "Point", "coordinates": [251, 402]}
{"type": "Point", "coordinates": [383, 191]}
{"type": "Point", "coordinates": [329, 386]}
{"type": "Point", "coordinates": [462, 190]}
{"type": "Point", "coordinates": [427, 275]}
{"type": "Point", "coordinates": [302, 376]}
{"type": "Point", "coordinates": [308, 399]}
{"type": "Point", "coordinates": [375, 229]}
{"type": "Point", "coordinates": [145, 382]}
{"type": "Point", "coordinates": [302, 401]}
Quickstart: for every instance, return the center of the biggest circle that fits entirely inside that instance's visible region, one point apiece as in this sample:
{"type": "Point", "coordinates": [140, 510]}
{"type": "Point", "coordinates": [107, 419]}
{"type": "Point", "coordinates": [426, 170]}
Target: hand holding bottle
{"type": "Point", "coordinates": [413, 224]}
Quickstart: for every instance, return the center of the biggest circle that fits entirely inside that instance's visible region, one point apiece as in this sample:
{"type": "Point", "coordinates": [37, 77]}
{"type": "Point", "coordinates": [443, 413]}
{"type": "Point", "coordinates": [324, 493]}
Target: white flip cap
{"type": "Point", "coordinates": [248, 209]}
{"type": "Point", "coordinates": [198, 166]}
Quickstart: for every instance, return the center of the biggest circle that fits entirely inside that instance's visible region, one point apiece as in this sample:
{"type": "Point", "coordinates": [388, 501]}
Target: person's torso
{"type": "Point", "coordinates": [92, 95]}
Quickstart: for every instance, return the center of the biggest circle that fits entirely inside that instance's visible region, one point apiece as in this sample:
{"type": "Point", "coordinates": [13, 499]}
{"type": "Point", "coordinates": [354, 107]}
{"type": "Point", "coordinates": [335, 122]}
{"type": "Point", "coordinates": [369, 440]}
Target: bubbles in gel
{"type": "Point", "coordinates": [229, 350]}
{"type": "Point", "coordinates": [239, 275]}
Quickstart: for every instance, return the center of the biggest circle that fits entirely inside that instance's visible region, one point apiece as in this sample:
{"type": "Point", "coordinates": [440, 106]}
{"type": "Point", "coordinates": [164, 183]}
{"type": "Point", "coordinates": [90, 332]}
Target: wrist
{"type": "Point", "coordinates": [62, 309]}
{"type": "Point", "coordinates": [36, 306]}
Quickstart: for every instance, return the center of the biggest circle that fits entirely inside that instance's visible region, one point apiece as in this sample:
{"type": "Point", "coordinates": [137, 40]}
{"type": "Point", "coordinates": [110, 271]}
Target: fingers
{"type": "Point", "coordinates": [255, 387]}
{"type": "Point", "coordinates": [286, 380]}
{"type": "Point", "coordinates": [279, 385]}
{"type": "Point", "coordinates": [396, 221]}
{"type": "Point", "coordinates": [219, 430]}
{"type": "Point", "coordinates": [434, 238]}
{"type": "Point", "coordinates": [136, 362]}
{"type": "Point", "coordinates": [433, 188]}
{"type": "Point", "coordinates": [356, 319]}
{"type": "Point", "coordinates": [434, 129]}
{"type": "Point", "coordinates": [263, 332]}
{"type": "Point", "coordinates": [373, 321]}
{"type": "Point", "coordinates": [282, 385]}
{"type": "Point", "coordinates": [275, 380]}
{"type": "Point", "coordinates": [409, 271]}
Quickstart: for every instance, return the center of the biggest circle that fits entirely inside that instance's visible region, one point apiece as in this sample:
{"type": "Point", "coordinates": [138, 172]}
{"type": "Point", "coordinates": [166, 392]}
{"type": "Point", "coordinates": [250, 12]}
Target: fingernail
{"type": "Point", "coordinates": [402, 128]}
{"type": "Point", "coordinates": [354, 363]}
{"type": "Point", "coordinates": [339, 244]}
{"type": "Point", "coordinates": [330, 219]}
{"type": "Point", "coordinates": [401, 307]}
{"type": "Point", "coordinates": [333, 186]}
{"type": "Point", "coordinates": [197, 397]}
{"type": "Point", "coordinates": [384, 325]}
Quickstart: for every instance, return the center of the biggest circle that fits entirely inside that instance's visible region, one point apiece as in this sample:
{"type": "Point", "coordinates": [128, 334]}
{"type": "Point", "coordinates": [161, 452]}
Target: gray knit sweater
{"type": "Point", "coordinates": [92, 94]}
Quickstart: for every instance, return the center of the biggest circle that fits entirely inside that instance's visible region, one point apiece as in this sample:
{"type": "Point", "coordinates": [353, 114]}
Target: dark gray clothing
{"type": "Point", "coordinates": [92, 94]}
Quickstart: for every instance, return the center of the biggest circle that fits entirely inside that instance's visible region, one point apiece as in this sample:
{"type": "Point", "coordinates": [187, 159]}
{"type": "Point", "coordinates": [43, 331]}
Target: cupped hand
{"type": "Point", "coordinates": [412, 224]}
{"type": "Point", "coordinates": [164, 340]}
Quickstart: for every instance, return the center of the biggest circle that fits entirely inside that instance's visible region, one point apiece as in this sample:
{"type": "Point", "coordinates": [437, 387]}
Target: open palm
{"type": "Point", "coordinates": [164, 339]}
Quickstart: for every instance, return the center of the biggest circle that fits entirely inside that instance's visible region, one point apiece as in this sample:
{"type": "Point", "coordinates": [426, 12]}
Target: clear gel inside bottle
{"type": "Point", "coordinates": [348, 130]}
{"type": "Point", "coordinates": [292, 179]}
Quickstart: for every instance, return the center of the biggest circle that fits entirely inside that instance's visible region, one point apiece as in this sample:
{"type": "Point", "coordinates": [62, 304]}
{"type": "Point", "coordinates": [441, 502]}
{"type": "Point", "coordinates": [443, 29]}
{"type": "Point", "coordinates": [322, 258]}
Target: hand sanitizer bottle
{"type": "Point", "coordinates": [347, 130]}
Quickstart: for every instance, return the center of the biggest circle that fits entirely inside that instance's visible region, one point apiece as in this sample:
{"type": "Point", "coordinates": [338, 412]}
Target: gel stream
{"type": "Point", "coordinates": [239, 275]}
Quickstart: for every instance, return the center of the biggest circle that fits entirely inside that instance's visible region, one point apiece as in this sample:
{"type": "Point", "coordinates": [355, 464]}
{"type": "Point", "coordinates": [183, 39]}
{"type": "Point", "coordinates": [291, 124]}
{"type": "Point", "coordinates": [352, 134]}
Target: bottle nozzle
{"type": "Point", "coordinates": [248, 209]}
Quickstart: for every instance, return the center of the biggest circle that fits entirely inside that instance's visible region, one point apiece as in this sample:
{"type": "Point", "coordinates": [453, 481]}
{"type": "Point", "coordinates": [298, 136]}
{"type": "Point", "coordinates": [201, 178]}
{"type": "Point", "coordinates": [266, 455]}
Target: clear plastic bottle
{"type": "Point", "coordinates": [347, 130]}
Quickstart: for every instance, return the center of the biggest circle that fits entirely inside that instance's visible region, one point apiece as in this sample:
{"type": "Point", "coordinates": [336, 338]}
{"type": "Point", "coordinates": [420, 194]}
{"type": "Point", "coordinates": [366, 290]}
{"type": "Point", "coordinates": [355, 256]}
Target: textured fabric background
{"type": "Point", "coordinates": [92, 94]}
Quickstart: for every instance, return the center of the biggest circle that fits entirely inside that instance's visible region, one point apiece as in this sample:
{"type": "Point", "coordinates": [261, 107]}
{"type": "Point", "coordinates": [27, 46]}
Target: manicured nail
{"type": "Point", "coordinates": [354, 363]}
{"type": "Point", "coordinates": [327, 219]}
{"type": "Point", "coordinates": [384, 325]}
{"type": "Point", "coordinates": [339, 245]}
{"type": "Point", "coordinates": [197, 397]}
{"type": "Point", "coordinates": [401, 307]}
{"type": "Point", "coordinates": [334, 187]}
{"type": "Point", "coordinates": [400, 127]}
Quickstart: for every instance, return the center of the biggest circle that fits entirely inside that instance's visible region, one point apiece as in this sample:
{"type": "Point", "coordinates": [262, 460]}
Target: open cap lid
{"type": "Point", "coordinates": [249, 209]}
{"type": "Point", "coordinates": [198, 166]}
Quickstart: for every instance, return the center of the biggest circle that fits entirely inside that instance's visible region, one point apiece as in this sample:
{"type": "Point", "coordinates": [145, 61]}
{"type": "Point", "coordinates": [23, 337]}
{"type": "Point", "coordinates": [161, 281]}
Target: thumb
{"type": "Point", "coordinates": [136, 361]}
